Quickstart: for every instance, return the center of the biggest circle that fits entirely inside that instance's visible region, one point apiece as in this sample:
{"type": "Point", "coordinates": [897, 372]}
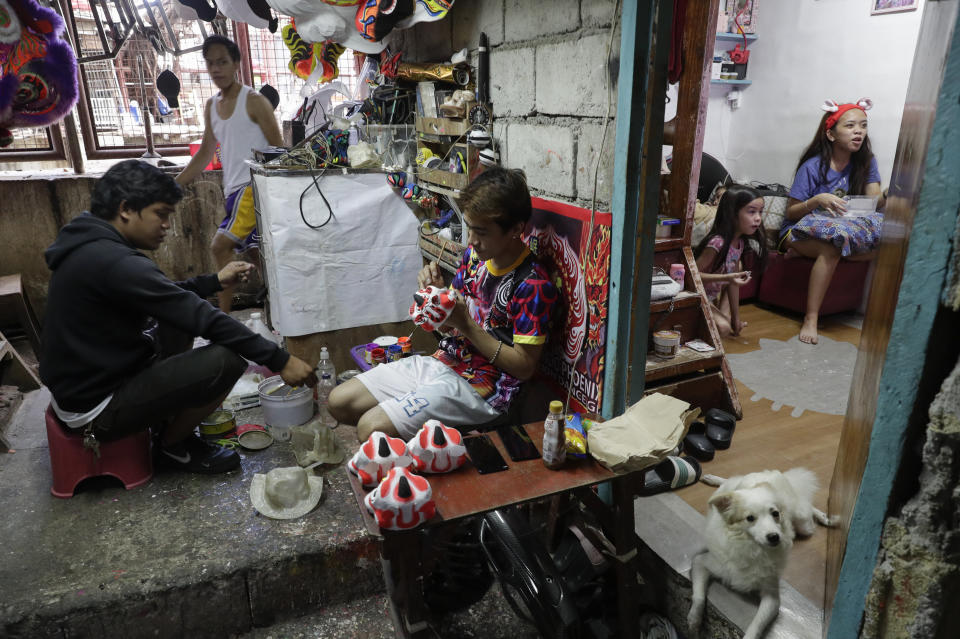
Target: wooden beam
{"type": "Point", "coordinates": [919, 227]}
{"type": "Point", "coordinates": [19, 372]}
{"type": "Point", "coordinates": [693, 92]}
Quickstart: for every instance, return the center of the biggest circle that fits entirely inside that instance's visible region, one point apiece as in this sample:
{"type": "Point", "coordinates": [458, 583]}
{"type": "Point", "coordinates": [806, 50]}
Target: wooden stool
{"type": "Point", "coordinates": [128, 459]}
{"type": "Point", "coordinates": [14, 306]}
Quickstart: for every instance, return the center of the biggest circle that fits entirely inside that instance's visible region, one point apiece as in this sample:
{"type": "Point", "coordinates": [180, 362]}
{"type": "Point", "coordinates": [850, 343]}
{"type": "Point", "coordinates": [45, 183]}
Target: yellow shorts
{"type": "Point", "coordinates": [240, 222]}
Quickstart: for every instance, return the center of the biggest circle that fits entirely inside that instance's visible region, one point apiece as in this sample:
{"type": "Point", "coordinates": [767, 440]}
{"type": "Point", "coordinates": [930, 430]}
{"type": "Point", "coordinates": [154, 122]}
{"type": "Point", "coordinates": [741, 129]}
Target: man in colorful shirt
{"type": "Point", "coordinates": [498, 327]}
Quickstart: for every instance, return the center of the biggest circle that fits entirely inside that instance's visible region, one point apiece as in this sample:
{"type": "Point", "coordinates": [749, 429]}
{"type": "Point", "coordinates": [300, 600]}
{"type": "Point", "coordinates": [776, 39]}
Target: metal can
{"type": "Point", "coordinates": [218, 424]}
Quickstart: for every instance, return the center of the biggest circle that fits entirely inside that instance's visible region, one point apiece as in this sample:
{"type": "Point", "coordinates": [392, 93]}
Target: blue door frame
{"type": "Point", "coordinates": [641, 87]}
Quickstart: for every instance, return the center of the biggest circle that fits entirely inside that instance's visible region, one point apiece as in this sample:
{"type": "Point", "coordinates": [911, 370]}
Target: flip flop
{"type": "Point", "coordinates": [720, 426]}
{"type": "Point", "coordinates": [670, 474]}
{"type": "Point", "coordinates": [697, 444]}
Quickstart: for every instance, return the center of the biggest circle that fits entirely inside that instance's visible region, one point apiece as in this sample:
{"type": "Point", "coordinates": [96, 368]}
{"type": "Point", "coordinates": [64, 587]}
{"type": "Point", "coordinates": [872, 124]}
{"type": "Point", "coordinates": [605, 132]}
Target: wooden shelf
{"type": "Point", "coordinates": [735, 37]}
{"type": "Point", "coordinates": [703, 379]}
{"type": "Point", "coordinates": [686, 361]}
{"type": "Point", "coordinates": [683, 299]}
{"type": "Point", "coordinates": [442, 126]}
{"type": "Point", "coordinates": [668, 243]}
{"type": "Point", "coordinates": [447, 253]}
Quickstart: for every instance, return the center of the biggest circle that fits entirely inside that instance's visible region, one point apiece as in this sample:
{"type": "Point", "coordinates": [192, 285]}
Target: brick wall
{"type": "Point", "coordinates": [547, 69]}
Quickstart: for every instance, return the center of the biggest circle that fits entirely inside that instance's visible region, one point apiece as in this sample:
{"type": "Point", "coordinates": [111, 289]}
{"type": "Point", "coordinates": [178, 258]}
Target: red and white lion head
{"type": "Point", "coordinates": [401, 501]}
{"type": "Point", "coordinates": [431, 307]}
{"type": "Point", "coordinates": [377, 456]}
{"type": "Point", "coordinates": [437, 448]}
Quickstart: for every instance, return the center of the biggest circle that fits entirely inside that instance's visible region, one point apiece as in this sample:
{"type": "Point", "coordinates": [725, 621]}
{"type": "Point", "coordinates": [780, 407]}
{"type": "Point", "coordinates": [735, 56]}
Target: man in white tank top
{"type": "Point", "coordinates": [241, 120]}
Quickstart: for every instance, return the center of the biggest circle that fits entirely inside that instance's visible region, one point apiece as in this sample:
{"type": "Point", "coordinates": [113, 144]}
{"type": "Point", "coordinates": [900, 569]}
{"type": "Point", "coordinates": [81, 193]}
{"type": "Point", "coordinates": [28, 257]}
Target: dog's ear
{"type": "Point", "coordinates": [723, 502]}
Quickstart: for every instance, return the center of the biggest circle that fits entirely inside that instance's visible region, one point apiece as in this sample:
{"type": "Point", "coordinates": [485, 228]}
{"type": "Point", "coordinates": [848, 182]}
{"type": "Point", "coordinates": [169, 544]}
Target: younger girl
{"type": "Point", "coordinates": [718, 255]}
{"type": "Point", "coordinates": [837, 163]}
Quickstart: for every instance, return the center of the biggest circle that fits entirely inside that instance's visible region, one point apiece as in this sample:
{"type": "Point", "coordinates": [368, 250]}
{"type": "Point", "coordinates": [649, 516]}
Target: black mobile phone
{"type": "Point", "coordinates": [484, 455]}
{"type": "Point", "coordinates": [518, 443]}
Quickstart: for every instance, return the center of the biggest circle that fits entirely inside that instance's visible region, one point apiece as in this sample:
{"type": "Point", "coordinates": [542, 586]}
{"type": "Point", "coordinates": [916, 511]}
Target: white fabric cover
{"type": "Point", "coordinates": [359, 269]}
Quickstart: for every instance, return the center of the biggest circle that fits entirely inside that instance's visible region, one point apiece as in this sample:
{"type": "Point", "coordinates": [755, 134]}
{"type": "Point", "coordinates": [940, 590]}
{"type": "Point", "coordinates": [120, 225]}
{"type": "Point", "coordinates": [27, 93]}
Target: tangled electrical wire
{"type": "Point", "coordinates": [325, 148]}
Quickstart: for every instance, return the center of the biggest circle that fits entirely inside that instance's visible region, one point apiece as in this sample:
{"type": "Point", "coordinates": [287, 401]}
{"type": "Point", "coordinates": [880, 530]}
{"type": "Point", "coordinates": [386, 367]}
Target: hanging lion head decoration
{"type": "Point", "coordinates": [38, 69]}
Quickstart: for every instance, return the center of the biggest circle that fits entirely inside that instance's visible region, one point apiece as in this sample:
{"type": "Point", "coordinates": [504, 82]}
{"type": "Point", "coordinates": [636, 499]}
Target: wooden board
{"type": "Point", "coordinates": [15, 371]}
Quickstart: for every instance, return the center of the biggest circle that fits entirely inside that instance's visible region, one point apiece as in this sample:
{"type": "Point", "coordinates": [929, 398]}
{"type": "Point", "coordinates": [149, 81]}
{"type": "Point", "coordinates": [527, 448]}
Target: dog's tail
{"type": "Point", "coordinates": [824, 519]}
{"type": "Point", "coordinates": [712, 480]}
{"type": "Point", "coordinates": [804, 483]}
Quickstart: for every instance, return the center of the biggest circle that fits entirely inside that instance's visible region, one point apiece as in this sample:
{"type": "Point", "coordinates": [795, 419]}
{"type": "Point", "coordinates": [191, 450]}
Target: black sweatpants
{"type": "Point", "coordinates": [180, 379]}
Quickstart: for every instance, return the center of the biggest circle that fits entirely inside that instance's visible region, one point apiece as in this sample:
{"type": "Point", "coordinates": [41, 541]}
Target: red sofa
{"type": "Point", "coordinates": [784, 284]}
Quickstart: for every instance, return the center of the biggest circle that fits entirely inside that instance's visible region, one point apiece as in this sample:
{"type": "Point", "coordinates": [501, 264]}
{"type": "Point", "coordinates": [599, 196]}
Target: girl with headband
{"type": "Point", "coordinates": [837, 163]}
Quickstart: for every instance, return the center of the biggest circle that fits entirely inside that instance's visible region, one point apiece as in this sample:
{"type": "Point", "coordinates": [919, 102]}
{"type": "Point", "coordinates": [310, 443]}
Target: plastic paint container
{"type": "Point", "coordinates": [284, 406]}
{"type": "Point", "coordinates": [394, 353]}
{"type": "Point", "coordinates": [385, 341]}
{"type": "Point", "coordinates": [666, 344]}
{"type": "Point", "coordinates": [379, 356]}
{"type": "Point", "coordinates": [368, 352]}
{"type": "Point", "coordinates": [406, 345]}
{"type": "Point", "coordinates": [678, 273]}
{"type": "Point", "coordinates": [218, 424]}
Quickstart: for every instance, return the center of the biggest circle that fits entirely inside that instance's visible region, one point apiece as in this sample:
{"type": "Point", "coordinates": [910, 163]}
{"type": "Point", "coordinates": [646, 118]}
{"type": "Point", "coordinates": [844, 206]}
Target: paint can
{"type": "Point", "coordinates": [394, 353]}
{"type": "Point", "coordinates": [666, 344]}
{"type": "Point", "coordinates": [406, 345]}
{"type": "Point", "coordinates": [368, 352]}
{"type": "Point", "coordinates": [218, 424]}
{"type": "Point", "coordinates": [253, 436]}
{"type": "Point", "coordinates": [379, 356]}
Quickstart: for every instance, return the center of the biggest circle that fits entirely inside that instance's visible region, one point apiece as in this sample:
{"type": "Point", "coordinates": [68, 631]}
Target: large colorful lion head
{"type": "Point", "coordinates": [38, 69]}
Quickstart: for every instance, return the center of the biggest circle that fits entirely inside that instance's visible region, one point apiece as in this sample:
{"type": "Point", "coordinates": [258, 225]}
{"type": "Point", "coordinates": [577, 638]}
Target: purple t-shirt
{"type": "Point", "coordinates": [807, 183]}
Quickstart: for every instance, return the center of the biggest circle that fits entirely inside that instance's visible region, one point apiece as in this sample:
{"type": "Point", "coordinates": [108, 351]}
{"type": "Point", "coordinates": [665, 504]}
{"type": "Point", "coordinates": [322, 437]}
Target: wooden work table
{"type": "Point", "coordinates": [465, 492]}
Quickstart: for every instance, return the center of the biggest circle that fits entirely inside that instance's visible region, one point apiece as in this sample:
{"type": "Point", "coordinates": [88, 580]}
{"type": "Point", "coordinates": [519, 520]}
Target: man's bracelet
{"type": "Point", "coordinates": [499, 346]}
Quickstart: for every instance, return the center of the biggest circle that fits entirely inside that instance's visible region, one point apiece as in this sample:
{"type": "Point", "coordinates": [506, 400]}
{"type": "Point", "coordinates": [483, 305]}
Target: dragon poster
{"type": "Point", "coordinates": [579, 262]}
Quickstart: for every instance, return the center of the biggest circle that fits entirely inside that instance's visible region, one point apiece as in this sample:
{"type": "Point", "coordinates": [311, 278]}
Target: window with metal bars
{"type": "Point", "coordinates": [117, 40]}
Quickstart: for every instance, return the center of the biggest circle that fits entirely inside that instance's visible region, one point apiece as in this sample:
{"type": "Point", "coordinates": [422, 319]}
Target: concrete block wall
{"type": "Point", "coordinates": [916, 581]}
{"type": "Point", "coordinates": [45, 205]}
{"type": "Point", "coordinates": [549, 80]}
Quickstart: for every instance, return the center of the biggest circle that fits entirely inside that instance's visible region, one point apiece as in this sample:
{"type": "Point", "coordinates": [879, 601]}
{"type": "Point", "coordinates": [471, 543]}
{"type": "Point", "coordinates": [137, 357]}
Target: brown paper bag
{"type": "Point", "coordinates": [643, 435]}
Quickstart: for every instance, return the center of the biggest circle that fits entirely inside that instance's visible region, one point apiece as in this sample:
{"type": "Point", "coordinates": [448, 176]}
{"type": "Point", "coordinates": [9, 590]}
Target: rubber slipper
{"type": "Point", "coordinates": [720, 427]}
{"type": "Point", "coordinates": [670, 474]}
{"type": "Point", "coordinates": [697, 444]}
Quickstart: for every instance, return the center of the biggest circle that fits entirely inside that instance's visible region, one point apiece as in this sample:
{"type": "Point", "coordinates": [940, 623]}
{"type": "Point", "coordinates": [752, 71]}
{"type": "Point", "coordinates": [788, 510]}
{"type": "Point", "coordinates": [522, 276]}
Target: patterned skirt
{"type": "Point", "coordinates": [852, 235]}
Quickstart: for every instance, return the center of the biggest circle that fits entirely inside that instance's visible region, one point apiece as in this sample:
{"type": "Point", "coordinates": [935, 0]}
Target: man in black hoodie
{"type": "Point", "coordinates": [116, 331]}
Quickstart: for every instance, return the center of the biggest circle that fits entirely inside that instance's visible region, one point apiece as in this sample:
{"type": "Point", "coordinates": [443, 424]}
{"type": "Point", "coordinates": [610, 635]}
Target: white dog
{"type": "Point", "coordinates": [749, 531]}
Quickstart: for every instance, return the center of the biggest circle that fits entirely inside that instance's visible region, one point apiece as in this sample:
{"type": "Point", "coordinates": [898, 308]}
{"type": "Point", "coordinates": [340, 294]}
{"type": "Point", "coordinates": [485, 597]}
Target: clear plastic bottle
{"type": "Point", "coordinates": [326, 365]}
{"type": "Point", "coordinates": [257, 325]}
{"type": "Point", "coordinates": [323, 397]}
{"type": "Point", "coordinates": [554, 437]}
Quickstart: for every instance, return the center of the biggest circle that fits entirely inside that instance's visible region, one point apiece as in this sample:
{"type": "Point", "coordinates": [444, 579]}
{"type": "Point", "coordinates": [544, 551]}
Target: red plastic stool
{"type": "Point", "coordinates": [128, 459]}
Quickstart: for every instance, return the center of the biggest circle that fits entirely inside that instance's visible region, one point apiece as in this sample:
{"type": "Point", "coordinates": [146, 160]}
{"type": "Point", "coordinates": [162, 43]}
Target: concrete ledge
{"type": "Point", "coordinates": [184, 555]}
{"type": "Point", "coordinates": [671, 531]}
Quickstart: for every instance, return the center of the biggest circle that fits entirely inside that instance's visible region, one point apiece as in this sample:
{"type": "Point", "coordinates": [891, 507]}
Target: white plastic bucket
{"type": "Point", "coordinates": [281, 411]}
